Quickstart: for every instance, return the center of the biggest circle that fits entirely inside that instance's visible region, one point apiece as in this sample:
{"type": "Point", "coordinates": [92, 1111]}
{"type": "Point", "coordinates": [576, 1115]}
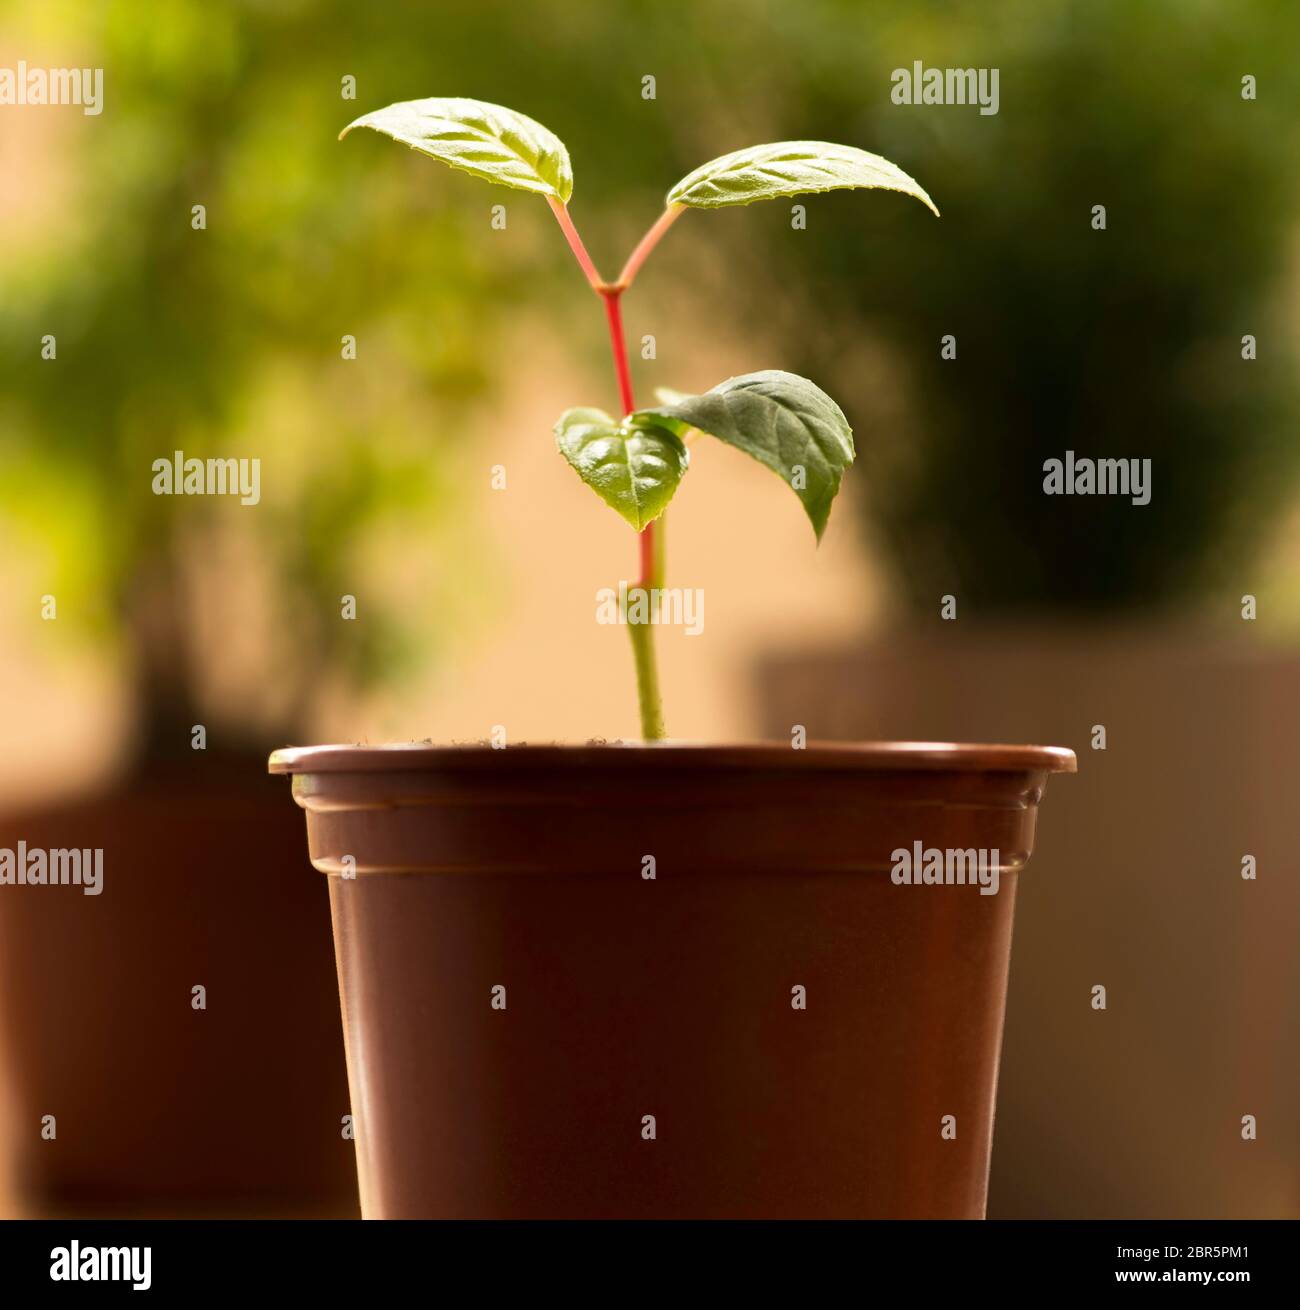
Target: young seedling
{"type": "Point", "coordinates": [635, 463]}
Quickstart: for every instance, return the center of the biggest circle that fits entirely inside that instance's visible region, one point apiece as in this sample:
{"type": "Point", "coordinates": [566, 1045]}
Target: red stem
{"type": "Point", "coordinates": [614, 312]}
{"type": "Point", "coordinates": [618, 344]}
{"type": "Point", "coordinates": [561, 212]}
{"type": "Point", "coordinates": [647, 539]}
{"type": "Point", "coordinates": [647, 244]}
{"type": "Point", "coordinates": [612, 297]}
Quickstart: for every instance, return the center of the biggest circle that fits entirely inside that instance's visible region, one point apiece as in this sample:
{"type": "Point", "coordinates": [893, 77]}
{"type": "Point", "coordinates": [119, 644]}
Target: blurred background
{"type": "Point", "coordinates": [475, 603]}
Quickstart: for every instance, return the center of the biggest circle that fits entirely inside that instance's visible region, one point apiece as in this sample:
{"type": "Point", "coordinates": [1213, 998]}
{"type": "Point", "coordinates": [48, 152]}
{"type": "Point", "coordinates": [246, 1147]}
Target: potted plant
{"type": "Point", "coordinates": [668, 978]}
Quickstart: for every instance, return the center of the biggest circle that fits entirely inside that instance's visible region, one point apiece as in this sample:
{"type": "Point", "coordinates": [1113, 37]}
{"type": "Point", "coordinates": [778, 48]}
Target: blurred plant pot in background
{"type": "Point", "coordinates": [536, 1027]}
{"type": "Point", "coordinates": [1137, 887]}
{"type": "Point", "coordinates": [160, 1107]}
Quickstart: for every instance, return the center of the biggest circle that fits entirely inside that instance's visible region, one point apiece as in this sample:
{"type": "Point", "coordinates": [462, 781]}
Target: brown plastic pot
{"type": "Point", "coordinates": [160, 1108]}
{"type": "Point", "coordinates": [652, 1058]}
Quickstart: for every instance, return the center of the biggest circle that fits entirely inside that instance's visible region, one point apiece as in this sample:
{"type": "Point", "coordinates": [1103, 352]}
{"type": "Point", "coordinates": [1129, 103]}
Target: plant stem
{"type": "Point", "coordinates": [561, 212]}
{"type": "Point", "coordinates": [652, 551]}
{"type": "Point", "coordinates": [647, 244]}
{"type": "Point", "coordinates": [651, 536]}
{"type": "Point", "coordinates": [643, 640]}
{"type": "Point", "coordinates": [618, 347]}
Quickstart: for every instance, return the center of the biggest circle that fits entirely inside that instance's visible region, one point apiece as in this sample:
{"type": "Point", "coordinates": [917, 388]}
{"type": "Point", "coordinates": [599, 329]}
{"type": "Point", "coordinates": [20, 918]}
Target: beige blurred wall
{"type": "Point", "coordinates": [530, 655]}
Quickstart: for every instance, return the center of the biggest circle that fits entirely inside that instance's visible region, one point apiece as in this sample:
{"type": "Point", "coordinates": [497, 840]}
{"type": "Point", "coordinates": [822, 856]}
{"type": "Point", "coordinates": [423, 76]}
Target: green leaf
{"type": "Point", "coordinates": [634, 465]}
{"type": "Point", "coordinates": [493, 143]}
{"type": "Point", "coordinates": [782, 420]}
{"type": "Point", "coordinates": [789, 168]}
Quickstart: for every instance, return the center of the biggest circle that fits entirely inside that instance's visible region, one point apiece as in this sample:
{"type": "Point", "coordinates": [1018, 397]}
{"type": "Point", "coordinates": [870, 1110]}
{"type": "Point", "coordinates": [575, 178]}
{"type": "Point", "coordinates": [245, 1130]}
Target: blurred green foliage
{"type": "Point", "coordinates": [1125, 342]}
{"type": "Point", "coordinates": [227, 340]}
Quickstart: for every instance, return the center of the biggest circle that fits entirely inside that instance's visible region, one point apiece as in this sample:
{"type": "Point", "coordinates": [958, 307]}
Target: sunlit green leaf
{"type": "Point", "coordinates": [789, 168]}
{"type": "Point", "coordinates": [489, 141]}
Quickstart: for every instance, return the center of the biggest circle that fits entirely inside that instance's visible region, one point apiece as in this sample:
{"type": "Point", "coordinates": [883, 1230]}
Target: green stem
{"type": "Point", "coordinates": [647, 681]}
{"type": "Point", "coordinates": [643, 646]}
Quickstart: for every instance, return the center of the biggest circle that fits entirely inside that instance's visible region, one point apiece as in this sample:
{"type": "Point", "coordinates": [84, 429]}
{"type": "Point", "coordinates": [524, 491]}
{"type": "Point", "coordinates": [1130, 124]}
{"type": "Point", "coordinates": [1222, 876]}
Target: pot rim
{"type": "Point", "coordinates": [406, 757]}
